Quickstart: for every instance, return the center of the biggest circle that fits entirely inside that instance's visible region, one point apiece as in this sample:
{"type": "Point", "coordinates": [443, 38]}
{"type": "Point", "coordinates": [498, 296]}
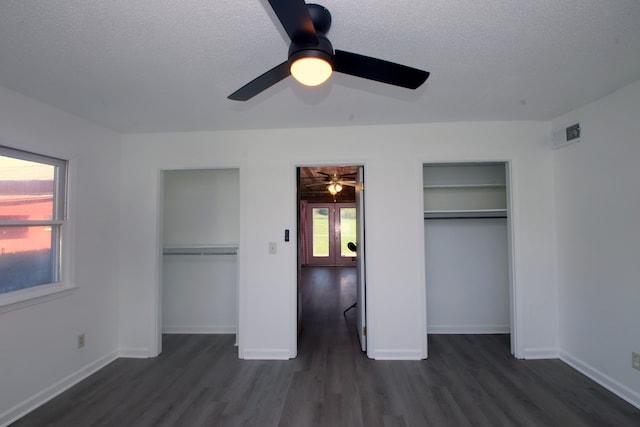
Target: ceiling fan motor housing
{"type": "Point", "coordinates": [322, 50]}
{"type": "Point", "coordinates": [320, 16]}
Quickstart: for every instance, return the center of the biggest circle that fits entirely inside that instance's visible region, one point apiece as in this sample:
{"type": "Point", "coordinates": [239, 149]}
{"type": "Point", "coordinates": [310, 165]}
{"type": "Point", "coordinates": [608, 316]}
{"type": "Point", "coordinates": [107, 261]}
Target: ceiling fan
{"type": "Point", "coordinates": [334, 182]}
{"type": "Point", "coordinates": [312, 59]}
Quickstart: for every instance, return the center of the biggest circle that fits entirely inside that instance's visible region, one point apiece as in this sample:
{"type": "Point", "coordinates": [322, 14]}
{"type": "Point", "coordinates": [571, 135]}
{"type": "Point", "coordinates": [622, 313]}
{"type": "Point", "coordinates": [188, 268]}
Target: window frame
{"type": "Point", "coordinates": [62, 285]}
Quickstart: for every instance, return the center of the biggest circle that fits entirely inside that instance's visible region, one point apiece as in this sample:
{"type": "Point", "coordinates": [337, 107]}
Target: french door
{"type": "Point", "coordinates": [332, 226]}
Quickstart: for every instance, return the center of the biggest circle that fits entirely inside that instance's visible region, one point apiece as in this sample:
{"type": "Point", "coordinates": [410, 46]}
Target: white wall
{"type": "Point", "coordinates": [38, 354]}
{"type": "Point", "coordinates": [396, 285]}
{"type": "Point", "coordinates": [199, 294]}
{"type": "Point", "coordinates": [201, 207]}
{"type": "Point", "coordinates": [598, 205]}
{"type": "Point", "coordinates": [467, 276]}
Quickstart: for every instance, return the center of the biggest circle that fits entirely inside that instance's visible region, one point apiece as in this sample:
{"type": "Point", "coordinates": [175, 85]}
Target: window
{"type": "Point", "coordinates": [32, 219]}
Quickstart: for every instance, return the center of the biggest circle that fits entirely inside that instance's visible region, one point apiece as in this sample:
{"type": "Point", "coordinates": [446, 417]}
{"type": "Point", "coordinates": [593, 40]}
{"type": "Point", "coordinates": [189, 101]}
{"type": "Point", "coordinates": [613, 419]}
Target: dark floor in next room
{"type": "Point", "coordinates": [468, 380]}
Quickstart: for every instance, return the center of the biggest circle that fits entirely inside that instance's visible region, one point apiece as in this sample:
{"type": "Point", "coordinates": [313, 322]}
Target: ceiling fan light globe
{"type": "Point", "coordinates": [311, 71]}
{"type": "Point", "coordinates": [334, 188]}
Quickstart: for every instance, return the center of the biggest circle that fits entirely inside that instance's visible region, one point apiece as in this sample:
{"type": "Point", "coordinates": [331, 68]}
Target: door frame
{"type": "Point", "coordinates": [296, 289]}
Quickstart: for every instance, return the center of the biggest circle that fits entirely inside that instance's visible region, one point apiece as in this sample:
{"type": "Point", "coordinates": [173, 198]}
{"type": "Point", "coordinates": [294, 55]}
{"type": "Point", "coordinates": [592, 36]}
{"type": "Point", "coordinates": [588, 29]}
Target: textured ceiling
{"type": "Point", "coordinates": [168, 65]}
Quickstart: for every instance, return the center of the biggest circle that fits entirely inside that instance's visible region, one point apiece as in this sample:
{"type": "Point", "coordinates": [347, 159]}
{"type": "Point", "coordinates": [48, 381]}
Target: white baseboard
{"type": "Point", "coordinates": [135, 352]}
{"type": "Point", "coordinates": [199, 329]}
{"type": "Point", "coordinates": [266, 354]}
{"type": "Point", "coordinates": [540, 353]}
{"type": "Point", "coordinates": [54, 390]}
{"type": "Point", "coordinates": [407, 354]}
{"type": "Point", "coordinates": [468, 329]}
{"type": "Point", "coordinates": [604, 380]}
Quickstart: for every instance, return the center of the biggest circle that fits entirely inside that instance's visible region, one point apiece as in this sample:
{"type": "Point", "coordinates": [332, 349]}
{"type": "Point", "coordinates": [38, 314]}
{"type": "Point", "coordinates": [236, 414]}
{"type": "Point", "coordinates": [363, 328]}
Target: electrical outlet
{"type": "Point", "coordinates": [635, 360]}
{"type": "Point", "coordinates": [273, 248]}
{"type": "Point", "coordinates": [80, 340]}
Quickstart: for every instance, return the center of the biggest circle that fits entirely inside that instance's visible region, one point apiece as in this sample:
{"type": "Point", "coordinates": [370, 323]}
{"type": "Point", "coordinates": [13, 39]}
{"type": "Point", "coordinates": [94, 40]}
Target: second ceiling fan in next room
{"type": "Point", "coordinates": [334, 182]}
{"type": "Point", "coordinates": [312, 59]}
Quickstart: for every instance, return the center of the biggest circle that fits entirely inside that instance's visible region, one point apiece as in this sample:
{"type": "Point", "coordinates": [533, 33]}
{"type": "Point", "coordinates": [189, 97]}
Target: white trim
{"type": "Point", "coordinates": [539, 353]}
{"type": "Point", "coordinates": [621, 390]}
{"type": "Point", "coordinates": [199, 329]}
{"type": "Point", "coordinates": [31, 296]}
{"type": "Point", "coordinates": [34, 223]}
{"type": "Point", "coordinates": [393, 354]}
{"type": "Point", "coordinates": [516, 306]}
{"type": "Point", "coordinates": [468, 329]}
{"type": "Point", "coordinates": [266, 354]}
{"type": "Point", "coordinates": [42, 397]}
{"type": "Point", "coordinates": [68, 265]}
{"type": "Point", "coordinates": [156, 319]}
{"type": "Point", "coordinates": [420, 263]}
{"type": "Point", "coordinates": [135, 353]}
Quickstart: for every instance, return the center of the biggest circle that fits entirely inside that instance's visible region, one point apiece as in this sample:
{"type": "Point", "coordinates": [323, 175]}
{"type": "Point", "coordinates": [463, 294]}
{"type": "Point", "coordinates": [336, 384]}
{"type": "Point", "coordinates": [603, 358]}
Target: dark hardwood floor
{"type": "Point", "coordinates": [468, 380]}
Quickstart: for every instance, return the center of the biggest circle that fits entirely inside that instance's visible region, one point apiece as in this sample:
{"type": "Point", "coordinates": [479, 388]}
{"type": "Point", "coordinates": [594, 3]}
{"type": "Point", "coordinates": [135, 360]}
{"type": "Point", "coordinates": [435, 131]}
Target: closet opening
{"type": "Point", "coordinates": [200, 233]}
{"type": "Point", "coordinates": [330, 267]}
{"type": "Point", "coordinates": [468, 260]}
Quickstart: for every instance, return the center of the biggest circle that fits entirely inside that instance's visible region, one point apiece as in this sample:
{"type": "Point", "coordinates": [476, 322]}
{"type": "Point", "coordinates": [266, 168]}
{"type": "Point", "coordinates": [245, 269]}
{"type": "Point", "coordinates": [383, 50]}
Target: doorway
{"type": "Point", "coordinates": [200, 232]}
{"type": "Point", "coordinates": [331, 241]}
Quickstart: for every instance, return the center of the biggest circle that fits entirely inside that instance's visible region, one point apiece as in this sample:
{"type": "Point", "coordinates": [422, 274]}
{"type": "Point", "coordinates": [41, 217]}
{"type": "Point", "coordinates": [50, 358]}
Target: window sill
{"type": "Point", "coordinates": [28, 297]}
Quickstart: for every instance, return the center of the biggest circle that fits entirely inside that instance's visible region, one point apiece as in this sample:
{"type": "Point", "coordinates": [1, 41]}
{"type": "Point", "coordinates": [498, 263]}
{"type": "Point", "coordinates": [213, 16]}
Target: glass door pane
{"type": "Point", "coordinates": [347, 231]}
{"type": "Point", "coordinates": [320, 229]}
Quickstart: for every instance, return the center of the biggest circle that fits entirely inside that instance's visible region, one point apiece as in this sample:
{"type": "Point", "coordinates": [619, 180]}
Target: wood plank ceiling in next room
{"type": "Point", "coordinates": [313, 183]}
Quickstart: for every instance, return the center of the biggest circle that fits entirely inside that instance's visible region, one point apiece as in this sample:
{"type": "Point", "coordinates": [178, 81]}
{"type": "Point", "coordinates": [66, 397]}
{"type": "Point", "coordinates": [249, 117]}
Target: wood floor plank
{"type": "Point", "coordinates": [393, 421]}
{"type": "Point", "coordinates": [468, 380]}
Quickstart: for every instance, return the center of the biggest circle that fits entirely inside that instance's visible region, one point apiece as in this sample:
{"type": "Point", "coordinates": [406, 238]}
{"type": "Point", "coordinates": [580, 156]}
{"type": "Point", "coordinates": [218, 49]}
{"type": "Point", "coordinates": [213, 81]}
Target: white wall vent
{"type": "Point", "coordinates": [567, 136]}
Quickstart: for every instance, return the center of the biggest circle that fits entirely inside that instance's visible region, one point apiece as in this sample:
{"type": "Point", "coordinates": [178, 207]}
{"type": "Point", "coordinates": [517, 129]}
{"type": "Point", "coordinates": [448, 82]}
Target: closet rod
{"type": "Point", "coordinates": [465, 217]}
{"type": "Point", "coordinates": [199, 251]}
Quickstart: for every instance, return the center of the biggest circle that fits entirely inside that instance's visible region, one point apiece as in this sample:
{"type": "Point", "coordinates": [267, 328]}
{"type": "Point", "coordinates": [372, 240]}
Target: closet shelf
{"type": "Point", "coordinates": [201, 250]}
{"type": "Point", "coordinates": [476, 213]}
{"type": "Point", "coordinates": [453, 186]}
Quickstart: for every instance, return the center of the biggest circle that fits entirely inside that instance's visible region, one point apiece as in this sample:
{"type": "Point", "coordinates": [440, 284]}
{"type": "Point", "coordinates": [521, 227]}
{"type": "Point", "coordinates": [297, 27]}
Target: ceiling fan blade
{"type": "Point", "coordinates": [378, 70]}
{"type": "Point", "coordinates": [294, 17]}
{"type": "Point", "coordinates": [260, 83]}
